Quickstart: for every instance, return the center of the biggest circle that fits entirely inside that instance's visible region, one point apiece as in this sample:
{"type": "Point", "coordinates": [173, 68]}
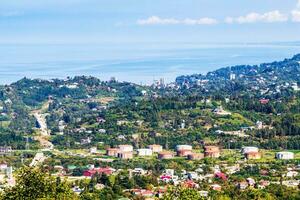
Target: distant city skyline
{"type": "Point", "coordinates": [148, 21]}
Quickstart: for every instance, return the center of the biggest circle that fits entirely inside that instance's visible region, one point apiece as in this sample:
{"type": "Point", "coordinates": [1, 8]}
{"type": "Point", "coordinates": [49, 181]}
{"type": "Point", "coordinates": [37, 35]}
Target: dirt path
{"type": "Point", "coordinates": [44, 135]}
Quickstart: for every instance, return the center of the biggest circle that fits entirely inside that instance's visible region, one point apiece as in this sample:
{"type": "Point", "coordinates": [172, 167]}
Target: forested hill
{"type": "Point", "coordinates": [267, 76]}
{"type": "Point", "coordinates": [84, 111]}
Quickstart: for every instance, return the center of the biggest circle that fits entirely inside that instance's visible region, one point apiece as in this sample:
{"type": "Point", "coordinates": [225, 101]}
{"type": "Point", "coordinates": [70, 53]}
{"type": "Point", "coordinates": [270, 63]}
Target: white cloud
{"type": "Point", "coordinates": [171, 21]}
{"type": "Point", "coordinates": [298, 4]}
{"type": "Point", "coordinates": [296, 15]}
{"type": "Point", "coordinates": [269, 17]}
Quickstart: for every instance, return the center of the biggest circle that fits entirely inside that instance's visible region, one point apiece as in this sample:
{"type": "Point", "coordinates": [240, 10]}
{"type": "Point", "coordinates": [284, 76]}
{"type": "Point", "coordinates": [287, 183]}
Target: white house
{"type": "Point", "coordinates": [144, 152]}
{"type": "Point", "coordinates": [285, 155]}
{"type": "Point", "coordinates": [249, 149]}
{"type": "Point", "coordinates": [291, 174]}
{"type": "Point", "coordinates": [93, 150]}
{"type": "Point", "coordinates": [183, 147]}
{"type": "Point", "coordinates": [126, 148]}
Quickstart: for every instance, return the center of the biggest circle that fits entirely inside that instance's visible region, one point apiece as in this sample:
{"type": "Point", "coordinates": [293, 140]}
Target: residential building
{"type": "Point", "coordinates": [125, 148]}
{"type": "Point", "coordinates": [195, 156]}
{"type": "Point", "coordinates": [144, 152]}
{"type": "Point", "coordinates": [253, 155]}
{"type": "Point", "coordinates": [211, 151]}
{"type": "Point", "coordinates": [155, 148]}
{"type": "Point", "coordinates": [125, 155]}
{"type": "Point", "coordinates": [285, 155]}
{"type": "Point", "coordinates": [165, 155]}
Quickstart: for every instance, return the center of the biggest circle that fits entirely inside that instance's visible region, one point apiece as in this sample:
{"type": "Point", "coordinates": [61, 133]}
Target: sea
{"type": "Point", "coordinates": [138, 63]}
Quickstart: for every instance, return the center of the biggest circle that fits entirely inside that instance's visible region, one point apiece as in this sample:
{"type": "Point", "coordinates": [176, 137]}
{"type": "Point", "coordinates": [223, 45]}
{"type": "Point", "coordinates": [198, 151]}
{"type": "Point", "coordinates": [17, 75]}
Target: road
{"type": "Point", "coordinates": [44, 135]}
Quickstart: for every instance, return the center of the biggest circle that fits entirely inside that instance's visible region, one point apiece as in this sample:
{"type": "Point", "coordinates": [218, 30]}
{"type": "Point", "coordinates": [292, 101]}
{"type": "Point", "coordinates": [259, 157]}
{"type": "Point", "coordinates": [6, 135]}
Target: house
{"type": "Point", "coordinates": [138, 171]}
{"type": "Point", "coordinates": [193, 175]}
{"type": "Point", "coordinates": [155, 148]}
{"type": "Point", "coordinates": [291, 174]}
{"type": "Point", "coordinates": [183, 153]}
{"type": "Point", "coordinates": [190, 184]}
{"type": "Point", "coordinates": [291, 183]}
{"type": "Point", "coordinates": [211, 151]}
{"type": "Point", "coordinates": [92, 172]}
{"type": "Point", "coordinates": [249, 149]}
{"type": "Point", "coordinates": [253, 155]}
{"type": "Point", "coordinates": [125, 148]}
{"type": "Point", "coordinates": [125, 155]}
{"type": "Point", "coordinates": [144, 152]}
{"type": "Point", "coordinates": [203, 193]}
{"type": "Point", "coordinates": [143, 192]}
{"type": "Point", "coordinates": [184, 147]}
{"type": "Point", "coordinates": [250, 181]}
{"type": "Point", "coordinates": [259, 125]}
{"type": "Point", "coordinates": [221, 175]}
{"type": "Point", "coordinates": [112, 152]}
{"type": "Point", "coordinates": [243, 185]}
{"type": "Point", "coordinates": [220, 111]}
{"type": "Point", "coordinates": [165, 155]}
{"type": "Point", "coordinates": [216, 187]}
{"type": "Point", "coordinates": [264, 101]}
{"type": "Point", "coordinates": [285, 155]}
{"type": "Point", "coordinates": [195, 156]}
{"type": "Point", "coordinates": [263, 184]}
{"type": "Point", "coordinates": [3, 166]}
{"type": "Point", "coordinates": [85, 141]}
{"type": "Point", "coordinates": [93, 150]}
{"type": "Point", "coordinates": [5, 150]}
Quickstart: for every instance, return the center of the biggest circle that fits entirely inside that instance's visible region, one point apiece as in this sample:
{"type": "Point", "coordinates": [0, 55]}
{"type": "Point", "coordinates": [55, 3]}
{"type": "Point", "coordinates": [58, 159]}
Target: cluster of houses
{"type": "Point", "coordinates": [254, 153]}
{"type": "Point", "coordinates": [127, 152]}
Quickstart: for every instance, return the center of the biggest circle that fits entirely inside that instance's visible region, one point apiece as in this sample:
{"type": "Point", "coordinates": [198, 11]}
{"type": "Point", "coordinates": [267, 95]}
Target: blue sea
{"type": "Point", "coordinates": [139, 63]}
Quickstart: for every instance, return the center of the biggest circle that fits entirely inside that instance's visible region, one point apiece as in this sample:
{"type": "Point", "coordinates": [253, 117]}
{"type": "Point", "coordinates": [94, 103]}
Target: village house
{"type": "Point", "coordinates": [284, 155]}
{"type": "Point", "coordinates": [242, 185]}
{"type": "Point", "coordinates": [5, 150]}
{"type": "Point", "coordinates": [216, 187]}
{"type": "Point", "coordinates": [183, 153]}
{"type": "Point", "coordinates": [211, 151]}
{"type": "Point", "coordinates": [93, 150]}
{"type": "Point", "coordinates": [253, 155]}
{"type": "Point", "coordinates": [291, 174]}
{"type": "Point", "coordinates": [144, 152]}
{"type": "Point", "coordinates": [125, 148]}
{"type": "Point", "coordinates": [183, 147]}
{"type": "Point", "coordinates": [125, 155]}
{"type": "Point", "coordinates": [156, 148]}
{"type": "Point", "coordinates": [165, 155]}
{"type": "Point", "coordinates": [138, 171]}
{"type": "Point", "coordinates": [112, 152]}
{"type": "Point", "coordinates": [203, 193]}
{"type": "Point", "coordinates": [195, 156]}
{"type": "Point", "coordinates": [220, 111]}
{"type": "Point", "coordinates": [92, 172]}
{"type": "Point", "coordinates": [250, 181]}
{"type": "Point", "coordinates": [249, 149]}
{"type": "Point", "coordinates": [263, 184]}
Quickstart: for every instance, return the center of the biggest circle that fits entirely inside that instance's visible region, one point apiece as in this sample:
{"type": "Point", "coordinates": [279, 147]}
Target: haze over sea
{"type": "Point", "coordinates": [140, 63]}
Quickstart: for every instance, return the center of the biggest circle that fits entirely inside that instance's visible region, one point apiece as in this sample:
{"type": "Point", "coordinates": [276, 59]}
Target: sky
{"type": "Point", "coordinates": [148, 21]}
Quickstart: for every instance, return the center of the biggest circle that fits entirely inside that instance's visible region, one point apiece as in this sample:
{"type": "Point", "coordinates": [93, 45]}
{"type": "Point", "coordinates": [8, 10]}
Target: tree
{"type": "Point", "coordinates": [32, 183]}
{"type": "Point", "coordinates": [181, 193]}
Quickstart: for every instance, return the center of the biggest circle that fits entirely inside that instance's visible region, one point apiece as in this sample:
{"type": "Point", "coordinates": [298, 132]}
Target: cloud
{"type": "Point", "coordinates": [268, 17]}
{"type": "Point", "coordinates": [153, 20]}
{"type": "Point", "coordinates": [296, 15]}
{"type": "Point", "coordinates": [298, 4]}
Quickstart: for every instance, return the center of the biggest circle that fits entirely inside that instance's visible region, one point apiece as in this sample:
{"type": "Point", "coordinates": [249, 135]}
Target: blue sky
{"type": "Point", "coordinates": [149, 21]}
